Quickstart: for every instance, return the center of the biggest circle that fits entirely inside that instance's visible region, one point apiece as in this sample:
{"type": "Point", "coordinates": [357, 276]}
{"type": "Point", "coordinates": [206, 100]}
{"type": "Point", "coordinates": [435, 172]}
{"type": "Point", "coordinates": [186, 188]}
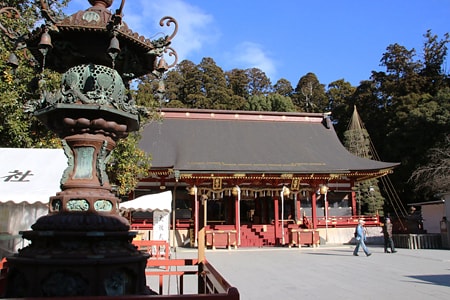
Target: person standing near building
{"type": "Point", "coordinates": [360, 236]}
{"type": "Point", "coordinates": [388, 241]}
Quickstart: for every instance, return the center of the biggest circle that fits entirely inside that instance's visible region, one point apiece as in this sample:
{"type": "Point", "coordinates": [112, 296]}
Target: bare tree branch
{"type": "Point", "coordinates": [436, 174]}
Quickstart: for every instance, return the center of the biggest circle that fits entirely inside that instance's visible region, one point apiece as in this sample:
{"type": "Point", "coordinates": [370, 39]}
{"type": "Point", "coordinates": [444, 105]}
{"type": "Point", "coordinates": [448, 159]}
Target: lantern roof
{"type": "Point", "coordinates": [92, 36]}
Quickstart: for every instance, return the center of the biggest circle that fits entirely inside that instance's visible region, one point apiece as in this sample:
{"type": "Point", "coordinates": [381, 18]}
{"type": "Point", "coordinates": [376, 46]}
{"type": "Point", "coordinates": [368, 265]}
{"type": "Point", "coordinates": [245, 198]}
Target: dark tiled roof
{"type": "Point", "coordinates": [250, 142]}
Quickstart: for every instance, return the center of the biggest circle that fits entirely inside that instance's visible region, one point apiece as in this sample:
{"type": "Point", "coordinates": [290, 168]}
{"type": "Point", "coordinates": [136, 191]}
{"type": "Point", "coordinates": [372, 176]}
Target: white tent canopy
{"type": "Point", "coordinates": [30, 175]}
{"type": "Point", "coordinates": [151, 202]}
{"type": "Point", "coordinates": [28, 178]}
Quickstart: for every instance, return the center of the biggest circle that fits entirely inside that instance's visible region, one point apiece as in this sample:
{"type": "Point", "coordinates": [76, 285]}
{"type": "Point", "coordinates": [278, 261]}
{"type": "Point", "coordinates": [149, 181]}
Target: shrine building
{"type": "Point", "coordinates": [253, 179]}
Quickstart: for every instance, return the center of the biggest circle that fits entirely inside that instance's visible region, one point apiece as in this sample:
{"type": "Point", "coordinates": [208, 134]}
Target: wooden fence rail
{"type": "Point", "coordinates": [211, 285]}
{"type": "Point", "coordinates": [418, 241]}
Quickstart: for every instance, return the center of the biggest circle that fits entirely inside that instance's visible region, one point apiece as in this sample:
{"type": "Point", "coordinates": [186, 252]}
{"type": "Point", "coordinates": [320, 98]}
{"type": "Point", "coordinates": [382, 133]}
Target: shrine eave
{"type": "Point", "coordinates": [357, 176]}
{"type": "Point", "coordinates": [239, 142]}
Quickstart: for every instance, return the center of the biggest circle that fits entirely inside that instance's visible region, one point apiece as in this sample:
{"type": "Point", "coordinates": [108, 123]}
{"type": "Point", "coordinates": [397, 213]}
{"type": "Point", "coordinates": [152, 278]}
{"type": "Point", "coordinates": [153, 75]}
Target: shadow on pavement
{"type": "Point", "coordinates": [443, 279]}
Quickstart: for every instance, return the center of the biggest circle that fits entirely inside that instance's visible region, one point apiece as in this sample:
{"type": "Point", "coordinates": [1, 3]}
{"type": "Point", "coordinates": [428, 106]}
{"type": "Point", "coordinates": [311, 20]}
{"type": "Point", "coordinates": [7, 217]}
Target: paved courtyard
{"type": "Point", "coordinates": [332, 273]}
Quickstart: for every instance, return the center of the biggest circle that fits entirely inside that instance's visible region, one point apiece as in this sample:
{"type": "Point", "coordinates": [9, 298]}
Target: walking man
{"type": "Point", "coordinates": [360, 235]}
{"type": "Point", "coordinates": [388, 241]}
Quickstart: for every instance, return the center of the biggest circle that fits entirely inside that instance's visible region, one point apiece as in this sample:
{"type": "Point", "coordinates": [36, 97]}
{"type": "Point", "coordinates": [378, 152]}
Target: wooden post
{"type": "Point", "coordinates": [314, 210]}
{"type": "Point", "coordinates": [202, 232]}
{"type": "Point", "coordinates": [201, 246]}
{"type": "Point", "coordinates": [174, 197]}
{"type": "Point", "coordinates": [237, 224]}
{"type": "Point", "coordinates": [276, 210]}
{"type": "Point", "coordinates": [196, 218]}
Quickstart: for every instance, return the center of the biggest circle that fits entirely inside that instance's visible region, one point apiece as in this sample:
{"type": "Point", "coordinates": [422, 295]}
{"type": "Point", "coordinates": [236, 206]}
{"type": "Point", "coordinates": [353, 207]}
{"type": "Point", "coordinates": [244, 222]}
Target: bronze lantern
{"type": "Point", "coordinates": [83, 246]}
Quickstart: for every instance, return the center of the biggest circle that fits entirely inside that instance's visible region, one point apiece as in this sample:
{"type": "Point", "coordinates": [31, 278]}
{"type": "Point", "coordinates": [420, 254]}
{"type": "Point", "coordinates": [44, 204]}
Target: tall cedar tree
{"type": "Point", "coordinates": [310, 94]}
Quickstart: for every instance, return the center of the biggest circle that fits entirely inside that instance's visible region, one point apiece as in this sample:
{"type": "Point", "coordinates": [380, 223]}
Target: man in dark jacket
{"type": "Point", "coordinates": [388, 242]}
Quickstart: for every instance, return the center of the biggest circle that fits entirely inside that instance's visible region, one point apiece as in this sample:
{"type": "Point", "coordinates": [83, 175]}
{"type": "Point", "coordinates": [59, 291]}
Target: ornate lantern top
{"type": "Point", "coordinates": [97, 35]}
{"type": "Point", "coordinates": [98, 54]}
{"type": "Point", "coordinates": [106, 3]}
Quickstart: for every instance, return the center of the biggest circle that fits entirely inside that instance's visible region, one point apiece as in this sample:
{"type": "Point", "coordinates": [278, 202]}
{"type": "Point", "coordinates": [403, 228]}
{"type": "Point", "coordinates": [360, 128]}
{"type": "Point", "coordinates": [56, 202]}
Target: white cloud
{"type": "Point", "coordinates": [252, 55]}
{"type": "Point", "coordinates": [195, 27]}
{"type": "Point", "coordinates": [198, 35]}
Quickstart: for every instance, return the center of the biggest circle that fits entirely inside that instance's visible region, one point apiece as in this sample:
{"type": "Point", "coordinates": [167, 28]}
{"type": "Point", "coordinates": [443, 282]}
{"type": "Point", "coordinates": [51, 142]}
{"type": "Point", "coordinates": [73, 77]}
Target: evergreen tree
{"type": "Point", "coordinates": [431, 162]}
{"type": "Point", "coordinates": [238, 82]}
{"type": "Point", "coordinates": [236, 103]}
{"type": "Point", "coordinates": [258, 103]}
{"type": "Point", "coordinates": [271, 102]}
{"type": "Point", "coordinates": [128, 165]}
{"type": "Point", "coordinates": [310, 94]}
{"type": "Point", "coordinates": [281, 103]}
{"type": "Point", "coordinates": [174, 87]}
{"type": "Point", "coordinates": [258, 82]}
{"type": "Point", "coordinates": [283, 87]}
{"type": "Point", "coordinates": [188, 87]}
{"type": "Point", "coordinates": [214, 85]}
{"type": "Point", "coordinates": [435, 52]}
{"type": "Point", "coordinates": [340, 95]}
{"type": "Point", "coordinates": [401, 107]}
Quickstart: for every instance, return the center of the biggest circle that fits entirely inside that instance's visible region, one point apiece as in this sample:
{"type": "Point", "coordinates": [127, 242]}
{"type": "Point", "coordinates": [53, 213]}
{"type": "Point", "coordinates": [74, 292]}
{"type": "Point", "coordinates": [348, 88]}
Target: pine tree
{"type": "Point", "coordinates": [357, 141]}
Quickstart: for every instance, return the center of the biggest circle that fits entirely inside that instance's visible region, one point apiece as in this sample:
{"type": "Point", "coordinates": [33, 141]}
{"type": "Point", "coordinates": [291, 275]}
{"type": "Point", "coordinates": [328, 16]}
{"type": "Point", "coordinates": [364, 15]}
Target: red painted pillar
{"type": "Point", "coordinates": [237, 223]}
{"type": "Point", "coordinates": [314, 210]}
{"type": "Point", "coordinates": [354, 206]}
{"type": "Point", "coordinates": [353, 199]}
{"type": "Point", "coordinates": [276, 210]}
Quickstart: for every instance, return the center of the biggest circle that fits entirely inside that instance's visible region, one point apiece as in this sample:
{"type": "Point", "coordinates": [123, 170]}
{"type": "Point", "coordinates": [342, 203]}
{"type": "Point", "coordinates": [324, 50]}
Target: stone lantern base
{"type": "Point", "coordinates": [77, 263]}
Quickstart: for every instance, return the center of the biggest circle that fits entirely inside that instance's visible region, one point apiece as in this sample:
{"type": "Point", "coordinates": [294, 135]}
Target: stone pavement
{"type": "Point", "coordinates": [329, 272]}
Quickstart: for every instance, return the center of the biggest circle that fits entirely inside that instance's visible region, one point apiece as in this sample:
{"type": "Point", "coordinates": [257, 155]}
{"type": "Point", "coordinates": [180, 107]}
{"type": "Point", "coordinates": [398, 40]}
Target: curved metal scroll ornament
{"type": "Point", "coordinates": [169, 21]}
{"type": "Point", "coordinates": [47, 12]}
{"type": "Point", "coordinates": [171, 52]}
{"type": "Point", "coordinates": [10, 12]}
{"type": "Point", "coordinates": [119, 11]}
{"type": "Point", "coordinates": [162, 46]}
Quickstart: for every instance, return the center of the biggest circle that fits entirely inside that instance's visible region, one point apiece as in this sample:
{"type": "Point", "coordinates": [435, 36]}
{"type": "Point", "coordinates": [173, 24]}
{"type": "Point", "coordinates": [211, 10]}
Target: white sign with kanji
{"type": "Point", "coordinates": [160, 225]}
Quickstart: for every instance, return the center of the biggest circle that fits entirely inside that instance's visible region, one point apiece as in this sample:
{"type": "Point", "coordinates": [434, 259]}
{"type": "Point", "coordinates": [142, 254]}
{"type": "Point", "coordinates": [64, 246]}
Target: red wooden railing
{"type": "Point", "coordinates": [211, 285]}
{"type": "Point", "coordinates": [348, 221]}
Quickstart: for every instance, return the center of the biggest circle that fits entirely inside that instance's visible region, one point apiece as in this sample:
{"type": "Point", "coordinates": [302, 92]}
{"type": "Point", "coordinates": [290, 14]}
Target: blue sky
{"type": "Point", "coordinates": [288, 38]}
